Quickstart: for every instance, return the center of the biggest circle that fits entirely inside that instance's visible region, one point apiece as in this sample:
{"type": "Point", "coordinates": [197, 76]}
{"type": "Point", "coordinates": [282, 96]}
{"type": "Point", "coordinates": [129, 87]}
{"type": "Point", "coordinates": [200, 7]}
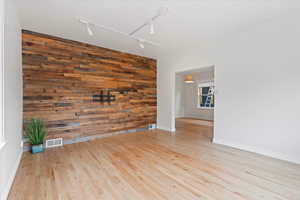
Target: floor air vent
{"type": "Point", "coordinates": [58, 142]}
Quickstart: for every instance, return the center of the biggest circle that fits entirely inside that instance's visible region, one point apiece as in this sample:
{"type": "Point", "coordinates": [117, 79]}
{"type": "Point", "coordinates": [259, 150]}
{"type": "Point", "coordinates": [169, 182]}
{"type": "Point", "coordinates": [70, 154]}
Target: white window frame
{"type": "Point", "coordinates": [2, 23]}
{"type": "Point", "coordinates": [200, 85]}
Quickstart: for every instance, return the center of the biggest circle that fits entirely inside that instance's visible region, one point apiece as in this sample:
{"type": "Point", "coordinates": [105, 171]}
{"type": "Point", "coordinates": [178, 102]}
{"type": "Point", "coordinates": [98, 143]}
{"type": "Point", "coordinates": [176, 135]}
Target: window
{"type": "Point", "coordinates": [206, 97]}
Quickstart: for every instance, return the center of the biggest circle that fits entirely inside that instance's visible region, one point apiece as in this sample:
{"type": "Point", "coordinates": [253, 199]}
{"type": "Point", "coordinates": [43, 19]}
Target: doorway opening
{"type": "Point", "coordinates": [195, 101]}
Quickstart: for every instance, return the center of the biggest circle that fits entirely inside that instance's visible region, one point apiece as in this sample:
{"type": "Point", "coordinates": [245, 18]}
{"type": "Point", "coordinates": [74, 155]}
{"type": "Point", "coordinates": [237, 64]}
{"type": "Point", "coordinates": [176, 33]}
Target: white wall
{"type": "Point", "coordinates": [179, 97]}
{"type": "Point", "coordinates": [12, 151]}
{"type": "Point", "coordinates": [258, 84]}
{"type": "Point", "coordinates": [2, 142]}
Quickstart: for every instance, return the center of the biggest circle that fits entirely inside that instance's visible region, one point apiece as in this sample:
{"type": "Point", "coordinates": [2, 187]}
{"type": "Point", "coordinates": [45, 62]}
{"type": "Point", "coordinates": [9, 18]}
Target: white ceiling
{"type": "Point", "coordinates": [197, 71]}
{"type": "Point", "coordinates": [189, 23]}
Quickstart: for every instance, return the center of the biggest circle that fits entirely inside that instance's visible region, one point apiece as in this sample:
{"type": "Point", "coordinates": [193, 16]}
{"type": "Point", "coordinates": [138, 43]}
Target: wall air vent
{"type": "Point", "coordinates": [57, 142]}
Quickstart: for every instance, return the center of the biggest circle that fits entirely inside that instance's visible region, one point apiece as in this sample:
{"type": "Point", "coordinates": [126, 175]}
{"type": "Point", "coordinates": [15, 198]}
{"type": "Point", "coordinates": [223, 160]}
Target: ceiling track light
{"type": "Point", "coordinates": [141, 45]}
{"type": "Point", "coordinates": [89, 30]}
{"type": "Point", "coordinates": [161, 12]}
{"type": "Point", "coordinates": [88, 26]}
{"type": "Point", "coordinates": [152, 31]}
{"type": "Point", "coordinates": [141, 41]}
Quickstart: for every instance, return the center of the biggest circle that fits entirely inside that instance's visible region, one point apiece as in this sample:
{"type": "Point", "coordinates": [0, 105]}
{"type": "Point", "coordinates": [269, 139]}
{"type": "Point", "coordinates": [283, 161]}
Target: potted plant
{"type": "Point", "coordinates": [36, 132]}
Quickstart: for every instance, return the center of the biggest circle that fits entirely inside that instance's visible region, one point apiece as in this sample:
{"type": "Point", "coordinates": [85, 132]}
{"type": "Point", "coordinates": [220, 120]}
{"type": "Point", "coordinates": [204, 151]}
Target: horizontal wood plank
{"type": "Point", "coordinates": [62, 76]}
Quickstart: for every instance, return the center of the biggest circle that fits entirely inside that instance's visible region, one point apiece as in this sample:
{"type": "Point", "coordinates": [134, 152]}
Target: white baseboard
{"type": "Point", "coordinates": [264, 152]}
{"type": "Point", "coordinates": [166, 129]}
{"type": "Point", "coordinates": [11, 178]}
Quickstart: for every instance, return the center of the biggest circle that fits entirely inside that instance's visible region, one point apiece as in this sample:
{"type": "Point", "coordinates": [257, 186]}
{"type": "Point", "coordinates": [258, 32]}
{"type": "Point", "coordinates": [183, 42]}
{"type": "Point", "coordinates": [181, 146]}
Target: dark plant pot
{"type": "Point", "coordinates": [37, 148]}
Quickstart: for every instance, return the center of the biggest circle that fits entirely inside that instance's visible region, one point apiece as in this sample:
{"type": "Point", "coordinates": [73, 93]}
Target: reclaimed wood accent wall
{"type": "Point", "coordinates": [82, 90]}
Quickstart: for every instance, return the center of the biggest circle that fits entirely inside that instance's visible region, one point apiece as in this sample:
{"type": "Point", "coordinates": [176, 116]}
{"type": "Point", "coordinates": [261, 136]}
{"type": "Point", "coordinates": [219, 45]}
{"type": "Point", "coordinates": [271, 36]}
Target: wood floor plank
{"type": "Point", "coordinates": [155, 165]}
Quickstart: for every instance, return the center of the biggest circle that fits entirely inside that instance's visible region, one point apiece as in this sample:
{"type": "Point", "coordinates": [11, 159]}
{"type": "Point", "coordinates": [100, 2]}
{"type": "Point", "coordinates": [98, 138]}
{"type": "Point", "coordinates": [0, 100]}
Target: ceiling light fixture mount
{"type": "Point", "coordinates": [140, 41]}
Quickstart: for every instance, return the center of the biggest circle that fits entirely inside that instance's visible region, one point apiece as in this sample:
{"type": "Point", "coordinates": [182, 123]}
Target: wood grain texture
{"type": "Point", "coordinates": [155, 165]}
{"type": "Point", "coordinates": [62, 76]}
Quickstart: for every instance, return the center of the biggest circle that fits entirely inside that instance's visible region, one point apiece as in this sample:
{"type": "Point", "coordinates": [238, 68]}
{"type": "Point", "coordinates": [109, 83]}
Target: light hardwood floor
{"type": "Point", "coordinates": [155, 165]}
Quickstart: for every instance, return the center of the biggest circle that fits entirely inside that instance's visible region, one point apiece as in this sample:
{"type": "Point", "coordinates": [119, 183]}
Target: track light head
{"type": "Point", "coordinates": [83, 21]}
{"type": "Point", "coordinates": [152, 32]}
{"type": "Point", "coordinates": [88, 26]}
{"type": "Point", "coordinates": [89, 30]}
{"type": "Point", "coordinates": [141, 45]}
